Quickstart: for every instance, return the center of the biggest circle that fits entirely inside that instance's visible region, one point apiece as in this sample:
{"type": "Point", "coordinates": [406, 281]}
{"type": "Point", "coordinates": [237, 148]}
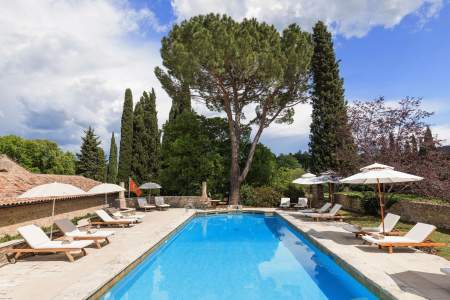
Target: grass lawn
{"type": "Point", "coordinates": [372, 221]}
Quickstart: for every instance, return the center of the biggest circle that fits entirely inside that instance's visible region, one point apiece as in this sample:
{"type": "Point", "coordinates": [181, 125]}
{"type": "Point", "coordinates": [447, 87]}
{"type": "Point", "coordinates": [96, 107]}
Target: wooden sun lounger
{"type": "Point", "coordinates": [67, 251]}
{"type": "Point", "coordinates": [107, 220]}
{"type": "Point", "coordinates": [71, 231]}
{"type": "Point", "coordinates": [418, 237]}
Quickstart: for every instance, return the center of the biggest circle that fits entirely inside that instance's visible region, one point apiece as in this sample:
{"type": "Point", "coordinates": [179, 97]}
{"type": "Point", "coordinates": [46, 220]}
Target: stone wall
{"type": "Point", "coordinates": [410, 211]}
{"type": "Point", "coordinates": [174, 201]}
{"type": "Point", "coordinates": [40, 213]}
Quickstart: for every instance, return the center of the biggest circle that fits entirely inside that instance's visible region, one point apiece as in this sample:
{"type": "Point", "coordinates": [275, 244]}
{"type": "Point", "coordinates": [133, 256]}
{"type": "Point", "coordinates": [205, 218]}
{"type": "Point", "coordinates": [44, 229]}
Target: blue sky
{"type": "Point", "coordinates": [65, 64]}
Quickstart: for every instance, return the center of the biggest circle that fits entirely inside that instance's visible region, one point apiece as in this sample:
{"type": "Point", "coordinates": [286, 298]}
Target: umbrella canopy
{"type": "Point", "coordinates": [379, 174]}
{"type": "Point", "coordinates": [106, 188]}
{"type": "Point", "coordinates": [305, 179]}
{"type": "Point", "coordinates": [54, 189]}
{"type": "Point", "coordinates": [150, 186]}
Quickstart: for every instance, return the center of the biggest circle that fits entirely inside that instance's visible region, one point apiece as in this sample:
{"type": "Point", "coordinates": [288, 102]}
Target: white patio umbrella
{"type": "Point", "coordinates": [331, 178]}
{"type": "Point", "coordinates": [306, 179]}
{"type": "Point", "coordinates": [106, 188]}
{"type": "Point", "coordinates": [150, 186]}
{"type": "Point", "coordinates": [55, 189]}
{"type": "Point", "coordinates": [379, 174]}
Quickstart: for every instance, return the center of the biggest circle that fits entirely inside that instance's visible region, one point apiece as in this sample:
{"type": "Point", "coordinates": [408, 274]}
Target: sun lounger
{"type": "Point", "coordinates": [72, 231]}
{"type": "Point", "coordinates": [143, 204]}
{"type": "Point", "coordinates": [285, 202]}
{"type": "Point", "coordinates": [332, 215]}
{"type": "Point", "coordinates": [107, 220]}
{"type": "Point", "coordinates": [445, 271]}
{"type": "Point", "coordinates": [302, 203]}
{"type": "Point", "coordinates": [159, 202]}
{"type": "Point", "coordinates": [118, 215]}
{"type": "Point", "coordinates": [39, 242]}
{"type": "Point", "coordinates": [321, 210]}
{"type": "Point", "coordinates": [389, 223]}
{"type": "Point", "coordinates": [416, 237]}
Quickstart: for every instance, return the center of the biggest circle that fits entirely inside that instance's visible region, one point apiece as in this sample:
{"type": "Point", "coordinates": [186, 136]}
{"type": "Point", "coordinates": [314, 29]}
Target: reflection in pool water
{"type": "Point", "coordinates": [238, 256]}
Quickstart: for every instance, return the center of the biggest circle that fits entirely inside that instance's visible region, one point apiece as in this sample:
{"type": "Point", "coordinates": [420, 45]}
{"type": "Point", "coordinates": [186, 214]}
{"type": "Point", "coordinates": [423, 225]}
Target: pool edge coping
{"type": "Point", "coordinates": [364, 280]}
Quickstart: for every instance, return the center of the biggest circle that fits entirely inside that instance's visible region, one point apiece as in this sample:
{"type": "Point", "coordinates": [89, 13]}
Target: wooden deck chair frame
{"type": "Point", "coordinates": [17, 252]}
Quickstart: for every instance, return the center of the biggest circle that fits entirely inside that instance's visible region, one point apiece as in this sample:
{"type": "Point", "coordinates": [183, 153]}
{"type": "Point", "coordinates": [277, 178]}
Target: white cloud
{"type": "Point", "coordinates": [350, 18]}
{"type": "Point", "coordinates": [64, 65]}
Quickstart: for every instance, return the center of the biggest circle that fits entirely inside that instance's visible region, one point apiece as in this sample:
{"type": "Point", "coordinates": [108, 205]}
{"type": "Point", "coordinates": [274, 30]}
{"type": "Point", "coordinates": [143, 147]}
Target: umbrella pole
{"type": "Point", "coordinates": [53, 216]}
{"type": "Point", "coordinates": [381, 203]}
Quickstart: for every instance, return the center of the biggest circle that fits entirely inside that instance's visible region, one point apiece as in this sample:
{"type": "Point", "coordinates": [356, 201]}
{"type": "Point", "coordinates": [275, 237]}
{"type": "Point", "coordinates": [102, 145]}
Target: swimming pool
{"type": "Point", "coordinates": [238, 256]}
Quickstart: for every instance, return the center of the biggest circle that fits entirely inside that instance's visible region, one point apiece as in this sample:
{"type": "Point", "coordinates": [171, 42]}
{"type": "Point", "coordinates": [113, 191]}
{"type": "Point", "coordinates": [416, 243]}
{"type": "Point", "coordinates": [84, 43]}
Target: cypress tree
{"type": "Point", "coordinates": [331, 143]}
{"type": "Point", "coordinates": [91, 163]}
{"type": "Point", "coordinates": [428, 144]}
{"type": "Point", "coordinates": [112, 161]}
{"type": "Point", "coordinates": [139, 165]}
{"type": "Point", "coordinates": [153, 134]}
{"type": "Point", "coordinates": [126, 139]}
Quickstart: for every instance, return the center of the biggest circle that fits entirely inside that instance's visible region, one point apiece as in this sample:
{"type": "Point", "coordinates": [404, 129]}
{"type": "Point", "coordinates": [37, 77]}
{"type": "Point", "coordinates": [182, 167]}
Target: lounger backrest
{"type": "Point", "coordinates": [159, 200]}
{"type": "Point", "coordinates": [324, 208]}
{"type": "Point", "coordinates": [335, 209]}
{"type": "Point", "coordinates": [142, 202]}
{"type": "Point", "coordinates": [420, 232]}
{"type": "Point", "coordinates": [390, 220]}
{"type": "Point", "coordinates": [303, 202]}
{"type": "Point", "coordinates": [33, 235]}
{"type": "Point", "coordinates": [103, 215]}
{"type": "Point", "coordinates": [65, 225]}
{"type": "Point", "coordinates": [285, 201]}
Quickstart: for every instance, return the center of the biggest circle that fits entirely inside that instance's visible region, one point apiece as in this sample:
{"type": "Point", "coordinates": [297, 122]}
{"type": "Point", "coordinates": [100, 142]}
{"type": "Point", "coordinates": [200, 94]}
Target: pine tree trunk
{"type": "Point", "coordinates": [235, 183]}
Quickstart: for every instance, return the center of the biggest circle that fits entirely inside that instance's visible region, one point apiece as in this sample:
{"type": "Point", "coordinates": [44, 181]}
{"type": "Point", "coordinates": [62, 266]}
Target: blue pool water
{"type": "Point", "coordinates": [238, 256]}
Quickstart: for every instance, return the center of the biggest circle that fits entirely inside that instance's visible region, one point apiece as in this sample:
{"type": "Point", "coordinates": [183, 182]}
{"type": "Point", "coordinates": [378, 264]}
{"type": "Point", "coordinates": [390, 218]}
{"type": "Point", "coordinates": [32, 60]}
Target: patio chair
{"type": "Point", "coordinates": [321, 210]}
{"type": "Point", "coordinates": [332, 215]}
{"type": "Point", "coordinates": [416, 237]}
{"type": "Point", "coordinates": [39, 242]}
{"type": "Point", "coordinates": [119, 215]}
{"type": "Point", "coordinates": [285, 202]}
{"type": "Point", "coordinates": [143, 204]}
{"type": "Point", "coordinates": [71, 231]}
{"type": "Point", "coordinates": [390, 220]}
{"type": "Point", "coordinates": [302, 203]}
{"type": "Point", "coordinates": [159, 202]}
{"type": "Point", "coordinates": [107, 220]}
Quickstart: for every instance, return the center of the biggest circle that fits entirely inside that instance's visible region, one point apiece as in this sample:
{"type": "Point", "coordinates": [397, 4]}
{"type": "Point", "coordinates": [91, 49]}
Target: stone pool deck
{"type": "Point", "coordinates": [406, 274]}
{"type": "Point", "coordinates": [53, 277]}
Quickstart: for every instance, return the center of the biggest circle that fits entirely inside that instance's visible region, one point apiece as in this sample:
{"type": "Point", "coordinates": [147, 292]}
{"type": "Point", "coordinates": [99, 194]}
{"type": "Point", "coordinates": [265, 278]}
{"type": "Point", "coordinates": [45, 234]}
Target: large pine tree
{"type": "Point", "coordinates": [91, 159]}
{"type": "Point", "coordinates": [331, 143]}
{"type": "Point", "coordinates": [126, 139]}
{"type": "Point", "coordinates": [112, 161]}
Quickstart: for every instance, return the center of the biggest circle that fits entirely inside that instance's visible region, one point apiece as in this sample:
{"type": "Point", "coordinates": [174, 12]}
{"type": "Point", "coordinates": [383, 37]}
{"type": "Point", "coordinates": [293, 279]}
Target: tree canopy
{"type": "Point", "coordinates": [91, 159]}
{"type": "Point", "coordinates": [111, 174]}
{"type": "Point", "coordinates": [234, 66]}
{"type": "Point", "coordinates": [126, 139]}
{"type": "Point", "coordinates": [38, 156]}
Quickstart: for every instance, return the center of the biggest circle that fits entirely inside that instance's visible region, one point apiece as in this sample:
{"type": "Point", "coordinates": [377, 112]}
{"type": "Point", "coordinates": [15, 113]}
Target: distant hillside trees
{"type": "Point", "coordinates": [331, 144]}
{"type": "Point", "coordinates": [111, 174]}
{"type": "Point", "coordinates": [38, 156]}
{"type": "Point", "coordinates": [126, 139]}
{"type": "Point", "coordinates": [91, 159]}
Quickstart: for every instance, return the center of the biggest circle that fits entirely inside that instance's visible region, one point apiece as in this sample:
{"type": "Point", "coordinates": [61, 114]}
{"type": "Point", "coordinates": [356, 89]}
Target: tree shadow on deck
{"type": "Point", "coordinates": [429, 285]}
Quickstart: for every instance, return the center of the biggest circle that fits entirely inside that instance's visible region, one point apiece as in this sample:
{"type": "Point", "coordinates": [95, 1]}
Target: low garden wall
{"type": "Point", "coordinates": [410, 211]}
{"type": "Point", "coordinates": [12, 217]}
{"type": "Point", "coordinates": [174, 201]}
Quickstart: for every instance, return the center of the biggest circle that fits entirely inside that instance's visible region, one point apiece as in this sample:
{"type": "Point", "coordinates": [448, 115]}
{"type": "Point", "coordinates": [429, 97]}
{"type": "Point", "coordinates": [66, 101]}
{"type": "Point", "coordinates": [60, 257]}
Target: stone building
{"type": "Point", "coordinates": [15, 212]}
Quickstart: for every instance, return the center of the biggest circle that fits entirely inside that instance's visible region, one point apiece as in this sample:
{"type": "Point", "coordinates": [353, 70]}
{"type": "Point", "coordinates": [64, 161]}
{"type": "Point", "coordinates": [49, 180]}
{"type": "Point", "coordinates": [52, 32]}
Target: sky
{"type": "Point", "coordinates": [65, 64]}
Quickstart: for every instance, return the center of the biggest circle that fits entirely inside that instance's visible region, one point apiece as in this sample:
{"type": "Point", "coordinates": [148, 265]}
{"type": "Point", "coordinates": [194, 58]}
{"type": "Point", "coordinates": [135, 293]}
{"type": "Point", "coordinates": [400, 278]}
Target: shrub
{"type": "Point", "coordinates": [263, 196]}
{"type": "Point", "coordinates": [370, 203]}
{"type": "Point", "coordinates": [294, 191]}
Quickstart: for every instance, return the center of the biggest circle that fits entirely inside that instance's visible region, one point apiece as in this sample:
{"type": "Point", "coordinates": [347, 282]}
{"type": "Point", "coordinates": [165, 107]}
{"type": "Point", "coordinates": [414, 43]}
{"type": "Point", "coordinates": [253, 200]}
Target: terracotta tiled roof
{"type": "Point", "coordinates": [15, 180]}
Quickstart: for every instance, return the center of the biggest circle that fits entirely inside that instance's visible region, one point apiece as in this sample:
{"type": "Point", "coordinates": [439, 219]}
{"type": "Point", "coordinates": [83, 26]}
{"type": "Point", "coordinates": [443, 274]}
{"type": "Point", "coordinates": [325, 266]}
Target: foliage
{"type": "Point", "coordinates": [263, 168]}
{"type": "Point", "coordinates": [398, 136]}
{"type": "Point", "coordinates": [38, 156]}
{"type": "Point", "coordinates": [284, 177]}
{"type": "Point", "coordinates": [262, 196]}
{"type": "Point", "coordinates": [153, 134]}
{"type": "Point", "coordinates": [189, 156]}
{"type": "Point", "coordinates": [233, 65]}
{"type": "Point", "coordinates": [126, 139]}
{"type": "Point", "coordinates": [288, 161]}
{"type": "Point", "coordinates": [91, 159]}
{"type": "Point", "coordinates": [111, 174]}
{"type": "Point", "coordinates": [331, 143]}
{"type": "Point", "coordinates": [139, 162]}
{"type": "Point", "coordinates": [304, 158]}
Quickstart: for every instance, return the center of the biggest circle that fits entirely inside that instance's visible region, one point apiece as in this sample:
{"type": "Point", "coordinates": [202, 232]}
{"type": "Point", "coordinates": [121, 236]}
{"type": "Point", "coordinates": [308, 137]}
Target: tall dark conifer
{"type": "Point", "coordinates": [139, 164]}
{"type": "Point", "coordinates": [111, 176]}
{"type": "Point", "coordinates": [153, 134]}
{"type": "Point", "coordinates": [331, 143]}
{"type": "Point", "coordinates": [91, 159]}
{"type": "Point", "coordinates": [126, 139]}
